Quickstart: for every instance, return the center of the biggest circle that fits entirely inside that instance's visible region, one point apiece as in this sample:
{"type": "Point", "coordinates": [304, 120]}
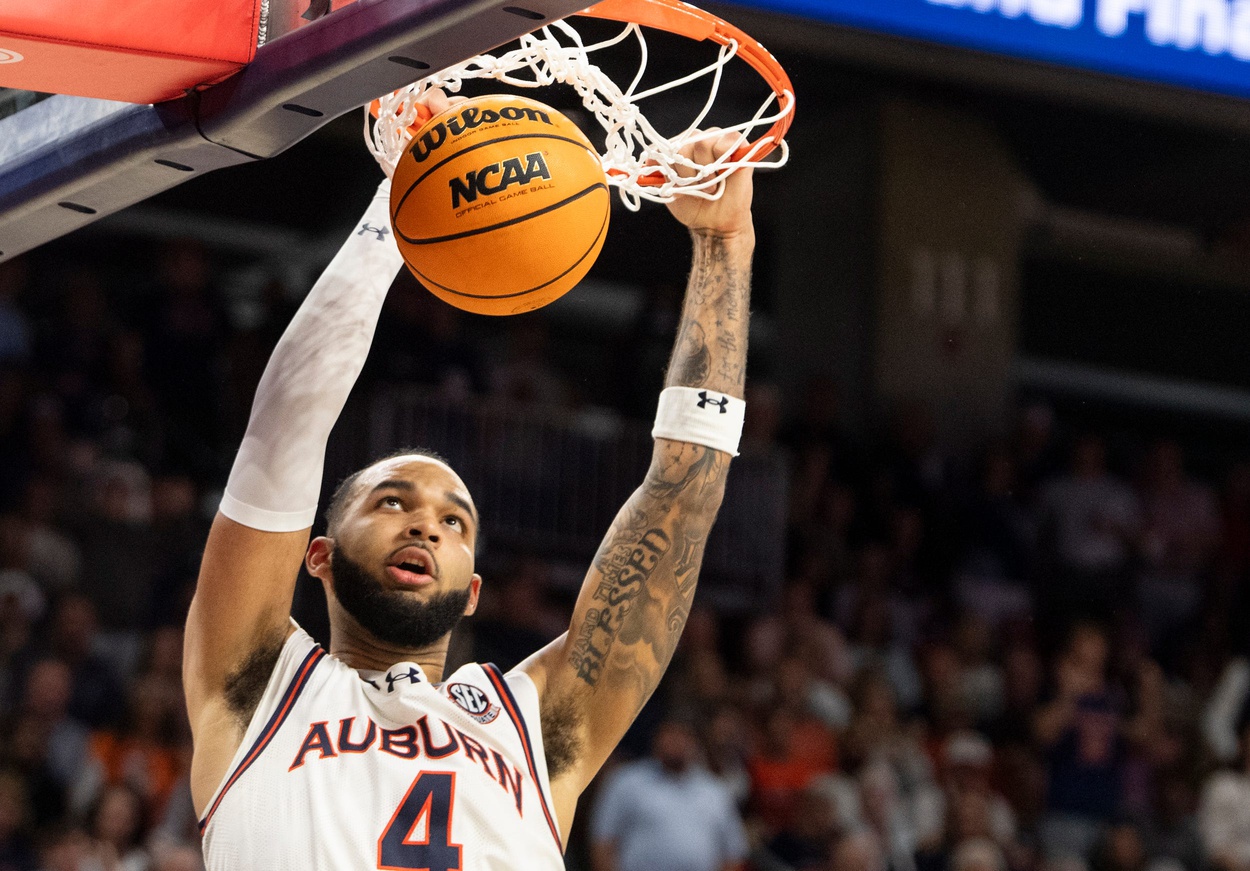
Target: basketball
{"type": "Point", "coordinates": [499, 205]}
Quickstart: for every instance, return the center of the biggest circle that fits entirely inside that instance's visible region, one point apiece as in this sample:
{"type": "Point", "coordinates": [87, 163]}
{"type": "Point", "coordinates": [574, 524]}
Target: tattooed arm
{"type": "Point", "coordinates": [593, 681]}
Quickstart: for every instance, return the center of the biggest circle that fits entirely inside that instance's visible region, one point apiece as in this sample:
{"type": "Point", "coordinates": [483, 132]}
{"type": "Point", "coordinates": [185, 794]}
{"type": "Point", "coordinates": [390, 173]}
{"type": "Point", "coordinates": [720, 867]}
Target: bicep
{"type": "Point", "coordinates": [242, 603]}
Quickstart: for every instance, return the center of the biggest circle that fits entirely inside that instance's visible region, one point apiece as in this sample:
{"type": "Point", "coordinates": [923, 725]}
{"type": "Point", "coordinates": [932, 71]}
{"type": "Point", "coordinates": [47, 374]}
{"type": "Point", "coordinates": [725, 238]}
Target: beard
{"type": "Point", "coordinates": [389, 615]}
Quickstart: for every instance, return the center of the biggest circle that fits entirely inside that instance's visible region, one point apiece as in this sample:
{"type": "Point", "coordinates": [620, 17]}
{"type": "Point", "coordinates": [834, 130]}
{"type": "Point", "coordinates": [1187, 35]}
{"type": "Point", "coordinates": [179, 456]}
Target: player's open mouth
{"type": "Point", "coordinates": [409, 574]}
{"type": "Point", "coordinates": [412, 566]}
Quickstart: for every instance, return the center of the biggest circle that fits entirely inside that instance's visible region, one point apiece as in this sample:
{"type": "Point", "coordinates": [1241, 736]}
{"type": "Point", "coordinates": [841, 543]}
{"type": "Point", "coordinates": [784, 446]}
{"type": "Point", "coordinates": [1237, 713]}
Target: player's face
{"type": "Point", "coordinates": [402, 562]}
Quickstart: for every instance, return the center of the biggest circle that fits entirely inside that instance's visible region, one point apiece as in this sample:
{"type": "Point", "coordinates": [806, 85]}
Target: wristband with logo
{"type": "Point", "coordinates": [701, 417]}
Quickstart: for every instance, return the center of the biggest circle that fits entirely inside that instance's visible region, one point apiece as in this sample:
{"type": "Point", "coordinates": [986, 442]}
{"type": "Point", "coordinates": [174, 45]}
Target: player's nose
{"type": "Point", "coordinates": [423, 526]}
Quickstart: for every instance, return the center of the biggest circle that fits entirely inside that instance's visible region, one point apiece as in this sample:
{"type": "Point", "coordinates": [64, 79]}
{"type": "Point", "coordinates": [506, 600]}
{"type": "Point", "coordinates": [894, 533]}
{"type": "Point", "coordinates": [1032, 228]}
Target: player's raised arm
{"type": "Point", "coordinates": [239, 617]}
{"type": "Point", "coordinates": [636, 597]}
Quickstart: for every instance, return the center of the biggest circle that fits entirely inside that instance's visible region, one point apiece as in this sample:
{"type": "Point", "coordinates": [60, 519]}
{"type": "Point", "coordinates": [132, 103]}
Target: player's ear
{"type": "Point", "coordinates": [317, 558]}
{"type": "Point", "coordinates": [475, 587]}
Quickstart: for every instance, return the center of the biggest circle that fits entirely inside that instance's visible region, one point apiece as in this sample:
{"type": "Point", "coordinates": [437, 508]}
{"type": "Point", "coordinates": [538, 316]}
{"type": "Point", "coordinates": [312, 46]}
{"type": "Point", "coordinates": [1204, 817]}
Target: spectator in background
{"type": "Point", "coordinates": [666, 813]}
{"type": "Point", "coordinates": [877, 729]}
{"type": "Point", "coordinates": [972, 807]}
{"type": "Point", "coordinates": [21, 606]}
{"type": "Point", "coordinates": [890, 813]}
{"type": "Point", "coordinates": [696, 681]}
{"type": "Point", "coordinates": [1121, 849]}
{"type": "Point", "coordinates": [1090, 524]}
{"type": "Point", "coordinates": [17, 852]}
{"type": "Point", "coordinates": [1024, 677]}
{"type": "Point", "coordinates": [141, 754]}
{"type": "Point", "coordinates": [178, 532]}
{"type": "Point", "coordinates": [977, 854]}
{"type": "Point", "coordinates": [67, 848]}
{"type": "Point", "coordinates": [779, 767]}
{"type": "Point", "coordinates": [171, 857]}
{"type": "Point", "coordinates": [981, 685]}
{"type": "Point", "coordinates": [1181, 531]}
{"type": "Point", "coordinates": [871, 609]}
{"type": "Point", "coordinates": [73, 635]}
{"type": "Point", "coordinates": [52, 557]}
{"type": "Point", "coordinates": [805, 844]}
{"type": "Point", "coordinates": [859, 851]}
{"type": "Point", "coordinates": [726, 745]}
{"type": "Point", "coordinates": [1224, 813]}
{"type": "Point", "coordinates": [124, 414]}
{"type": "Point", "coordinates": [57, 743]}
{"type": "Point", "coordinates": [125, 554]}
{"type": "Point", "coordinates": [945, 709]}
{"type": "Point", "coordinates": [117, 827]}
{"type": "Point", "coordinates": [1080, 731]}
{"type": "Point", "coordinates": [999, 538]}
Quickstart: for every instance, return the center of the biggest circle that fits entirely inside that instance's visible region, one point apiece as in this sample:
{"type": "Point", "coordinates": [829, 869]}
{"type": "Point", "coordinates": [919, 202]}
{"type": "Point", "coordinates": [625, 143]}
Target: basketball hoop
{"type": "Point", "coordinates": [641, 162]}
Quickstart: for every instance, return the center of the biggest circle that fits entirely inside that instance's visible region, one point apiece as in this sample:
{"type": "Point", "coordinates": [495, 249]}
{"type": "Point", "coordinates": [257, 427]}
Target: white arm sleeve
{"type": "Point", "coordinates": [276, 479]}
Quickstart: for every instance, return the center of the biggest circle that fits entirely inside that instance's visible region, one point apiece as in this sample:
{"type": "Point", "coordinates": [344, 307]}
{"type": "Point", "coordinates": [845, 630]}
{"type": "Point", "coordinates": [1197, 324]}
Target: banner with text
{"type": "Point", "coordinates": [1203, 44]}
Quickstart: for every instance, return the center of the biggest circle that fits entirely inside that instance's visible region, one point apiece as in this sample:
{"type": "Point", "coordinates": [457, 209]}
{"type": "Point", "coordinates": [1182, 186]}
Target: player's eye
{"type": "Point", "coordinates": [392, 502]}
{"type": "Point", "coordinates": [455, 520]}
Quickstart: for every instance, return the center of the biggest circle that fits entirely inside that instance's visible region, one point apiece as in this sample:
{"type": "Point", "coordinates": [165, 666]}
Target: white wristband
{"type": "Point", "coordinates": [701, 417]}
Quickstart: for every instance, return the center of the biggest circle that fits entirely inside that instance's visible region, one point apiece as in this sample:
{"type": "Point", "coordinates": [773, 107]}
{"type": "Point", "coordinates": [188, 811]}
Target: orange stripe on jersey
{"type": "Point", "coordinates": [514, 711]}
{"type": "Point", "coordinates": [292, 693]}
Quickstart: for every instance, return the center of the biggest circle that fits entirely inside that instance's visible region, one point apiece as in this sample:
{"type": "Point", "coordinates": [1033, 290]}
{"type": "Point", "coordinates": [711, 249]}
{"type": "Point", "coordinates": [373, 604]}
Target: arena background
{"type": "Point", "coordinates": [976, 597]}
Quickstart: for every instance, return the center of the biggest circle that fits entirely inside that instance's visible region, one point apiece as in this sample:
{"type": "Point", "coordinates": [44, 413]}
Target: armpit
{"type": "Point", "coordinates": [561, 722]}
{"type": "Point", "coordinates": [246, 684]}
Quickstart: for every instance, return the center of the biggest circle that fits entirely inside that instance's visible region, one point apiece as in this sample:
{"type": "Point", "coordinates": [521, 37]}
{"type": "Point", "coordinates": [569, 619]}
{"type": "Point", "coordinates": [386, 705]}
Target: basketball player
{"type": "Point", "coordinates": [367, 755]}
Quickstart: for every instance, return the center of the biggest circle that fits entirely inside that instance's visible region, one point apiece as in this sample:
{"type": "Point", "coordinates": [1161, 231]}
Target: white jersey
{"type": "Point", "coordinates": [350, 770]}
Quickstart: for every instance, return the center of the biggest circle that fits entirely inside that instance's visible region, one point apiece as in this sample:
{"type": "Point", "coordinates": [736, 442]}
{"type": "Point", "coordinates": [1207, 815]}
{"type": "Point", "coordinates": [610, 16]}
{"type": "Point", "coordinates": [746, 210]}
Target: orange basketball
{"type": "Point", "coordinates": [499, 205]}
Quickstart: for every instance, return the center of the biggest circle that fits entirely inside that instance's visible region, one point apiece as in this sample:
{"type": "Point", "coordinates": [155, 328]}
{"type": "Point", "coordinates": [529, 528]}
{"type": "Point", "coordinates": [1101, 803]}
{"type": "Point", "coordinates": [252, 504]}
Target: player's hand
{"type": "Point", "coordinates": [435, 101]}
{"type": "Point", "coordinates": [731, 214]}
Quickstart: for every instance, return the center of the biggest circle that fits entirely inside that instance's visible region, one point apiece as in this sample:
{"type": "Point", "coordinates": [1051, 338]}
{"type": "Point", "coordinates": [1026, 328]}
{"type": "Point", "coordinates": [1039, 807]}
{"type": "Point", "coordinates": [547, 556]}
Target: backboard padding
{"type": "Point", "coordinates": [84, 162]}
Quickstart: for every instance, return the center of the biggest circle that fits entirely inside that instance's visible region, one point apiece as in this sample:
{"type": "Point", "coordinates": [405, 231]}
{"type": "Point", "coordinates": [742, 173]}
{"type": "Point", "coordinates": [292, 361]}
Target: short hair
{"type": "Point", "coordinates": [343, 492]}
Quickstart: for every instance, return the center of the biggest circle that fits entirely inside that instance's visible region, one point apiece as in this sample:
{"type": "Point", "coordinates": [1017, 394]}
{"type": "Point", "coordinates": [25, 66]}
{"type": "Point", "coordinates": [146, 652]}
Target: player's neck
{"type": "Point", "coordinates": [368, 654]}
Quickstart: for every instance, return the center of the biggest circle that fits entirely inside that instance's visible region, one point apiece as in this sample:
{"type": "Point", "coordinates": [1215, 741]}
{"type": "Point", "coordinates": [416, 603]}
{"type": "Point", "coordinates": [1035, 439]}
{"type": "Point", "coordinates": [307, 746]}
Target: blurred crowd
{"type": "Point", "coordinates": [1024, 656]}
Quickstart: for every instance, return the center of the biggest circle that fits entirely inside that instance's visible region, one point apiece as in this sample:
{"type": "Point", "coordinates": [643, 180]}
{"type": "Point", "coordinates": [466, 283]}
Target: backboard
{"type": "Point", "coordinates": [67, 161]}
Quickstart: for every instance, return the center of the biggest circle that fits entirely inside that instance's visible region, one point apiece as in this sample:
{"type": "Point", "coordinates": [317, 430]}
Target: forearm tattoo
{"type": "Point", "coordinates": [644, 576]}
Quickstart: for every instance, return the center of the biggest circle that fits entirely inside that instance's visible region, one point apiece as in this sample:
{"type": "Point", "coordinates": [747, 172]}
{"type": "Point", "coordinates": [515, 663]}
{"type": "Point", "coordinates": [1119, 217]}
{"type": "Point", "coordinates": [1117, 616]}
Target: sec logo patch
{"type": "Point", "coordinates": [473, 701]}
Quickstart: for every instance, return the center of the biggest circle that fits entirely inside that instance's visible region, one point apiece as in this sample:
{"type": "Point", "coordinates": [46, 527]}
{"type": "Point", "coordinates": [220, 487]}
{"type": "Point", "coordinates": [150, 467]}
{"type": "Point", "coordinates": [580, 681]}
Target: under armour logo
{"type": "Point", "coordinates": [381, 231]}
{"type": "Point", "coordinates": [413, 676]}
{"type": "Point", "coordinates": [705, 401]}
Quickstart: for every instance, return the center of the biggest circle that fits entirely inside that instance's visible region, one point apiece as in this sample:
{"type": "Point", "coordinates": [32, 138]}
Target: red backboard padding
{"type": "Point", "coordinates": [138, 51]}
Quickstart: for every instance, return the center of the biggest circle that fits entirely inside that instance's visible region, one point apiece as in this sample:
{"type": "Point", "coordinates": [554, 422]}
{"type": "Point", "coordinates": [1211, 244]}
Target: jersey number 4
{"type": "Point", "coordinates": [418, 837]}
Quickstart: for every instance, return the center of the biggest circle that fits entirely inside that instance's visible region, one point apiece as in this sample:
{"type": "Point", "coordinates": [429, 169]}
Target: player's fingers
{"type": "Point", "coordinates": [436, 100]}
{"type": "Point", "coordinates": [728, 143]}
{"type": "Point", "coordinates": [704, 148]}
{"type": "Point", "coordinates": [697, 150]}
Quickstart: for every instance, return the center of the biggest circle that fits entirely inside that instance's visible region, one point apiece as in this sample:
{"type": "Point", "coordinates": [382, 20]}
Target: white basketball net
{"type": "Point", "coordinates": [633, 148]}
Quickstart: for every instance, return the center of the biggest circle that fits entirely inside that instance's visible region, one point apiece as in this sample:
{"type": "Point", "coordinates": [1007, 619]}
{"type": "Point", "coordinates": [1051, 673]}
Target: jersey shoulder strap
{"type": "Point", "coordinates": [519, 698]}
